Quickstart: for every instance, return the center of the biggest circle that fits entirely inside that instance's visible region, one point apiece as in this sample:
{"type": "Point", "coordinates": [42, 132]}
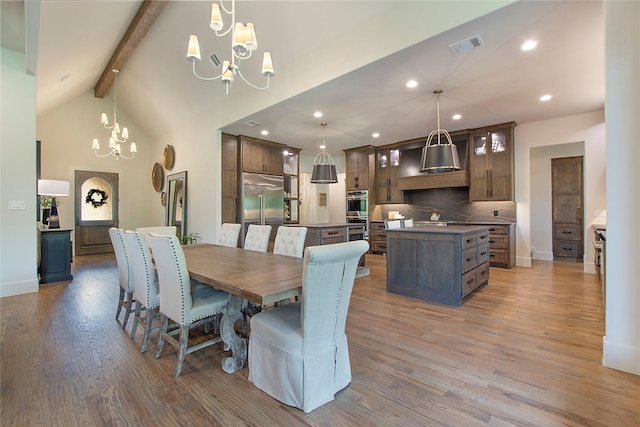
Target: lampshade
{"type": "Point", "coordinates": [440, 158]}
{"type": "Point", "coordinates": [324, 174]}
{"type": "Point", "coordinates": [52, 187]}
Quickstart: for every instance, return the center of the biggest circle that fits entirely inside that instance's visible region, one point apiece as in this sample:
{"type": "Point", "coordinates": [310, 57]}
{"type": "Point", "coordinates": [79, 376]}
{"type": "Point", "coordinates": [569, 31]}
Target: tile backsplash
{"type": "Point", "coordinates": [452, 204]}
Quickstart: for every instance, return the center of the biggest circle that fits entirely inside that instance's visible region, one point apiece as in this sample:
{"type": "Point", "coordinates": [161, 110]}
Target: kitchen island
{"type": "Point", "coordinates": [442, 264]}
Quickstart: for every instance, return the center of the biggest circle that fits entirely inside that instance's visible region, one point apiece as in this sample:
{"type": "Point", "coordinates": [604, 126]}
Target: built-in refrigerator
{"type": "Point", "coordinates": [262, 201]}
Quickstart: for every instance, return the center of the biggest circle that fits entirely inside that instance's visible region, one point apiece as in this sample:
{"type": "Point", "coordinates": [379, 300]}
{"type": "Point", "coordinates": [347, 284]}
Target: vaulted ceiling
{"type": "Point", "coordinates": [493, 83]}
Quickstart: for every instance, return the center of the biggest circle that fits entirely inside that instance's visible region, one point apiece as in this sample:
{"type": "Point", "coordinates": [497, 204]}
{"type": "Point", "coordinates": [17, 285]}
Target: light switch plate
{"type": "Point", "coordinates": [17, 205]}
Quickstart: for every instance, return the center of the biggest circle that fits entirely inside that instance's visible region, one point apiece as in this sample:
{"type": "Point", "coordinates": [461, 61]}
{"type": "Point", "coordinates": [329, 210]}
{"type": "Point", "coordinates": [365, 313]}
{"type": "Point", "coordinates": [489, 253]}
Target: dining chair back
{"type": "Point", "coordinates": [290, 241]}
{"type": "Point", "coordinates": [125, 274]}
{"type": "Point", "coordinates": [146, 284]}
{"type": "Point", "coordinates": [229, 234]}
{"type": "Point", "coordinates": [391, 224]}
{"type": "Point", "coordinates": [407, 222]}
{"type": "Point", "coordinates": [188, 306]}
{"type": "Point", "coordinates": [298, 353]}
{"type": "Point", "coordinates": [257, 238]}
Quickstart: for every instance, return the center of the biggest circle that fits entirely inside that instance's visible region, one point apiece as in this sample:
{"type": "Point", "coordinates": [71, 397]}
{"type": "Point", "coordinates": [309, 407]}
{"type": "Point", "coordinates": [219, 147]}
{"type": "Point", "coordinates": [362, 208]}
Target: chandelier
{"type": "Point", "coordinates": [324, 168]}
{"type": "Point", "coordinates": [440, 156]}
{"type": "Point", "coordinates": [243, 43]}
{"type": "Point", "coordinates": [117, 137]}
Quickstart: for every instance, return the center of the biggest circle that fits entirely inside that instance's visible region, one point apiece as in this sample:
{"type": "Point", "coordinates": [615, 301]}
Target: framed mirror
{"type": "Point", "coordinates": [176, 207]}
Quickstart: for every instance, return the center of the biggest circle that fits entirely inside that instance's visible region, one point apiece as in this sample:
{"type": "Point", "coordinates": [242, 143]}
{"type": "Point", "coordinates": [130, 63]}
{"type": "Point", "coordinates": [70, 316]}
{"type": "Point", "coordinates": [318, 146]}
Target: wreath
{"type": "Point", "coordinates": [96, 198]}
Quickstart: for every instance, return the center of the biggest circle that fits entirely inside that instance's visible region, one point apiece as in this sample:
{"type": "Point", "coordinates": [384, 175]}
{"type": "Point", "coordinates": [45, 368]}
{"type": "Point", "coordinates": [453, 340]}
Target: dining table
{"type": "Point", "coordinates": [262, 278]}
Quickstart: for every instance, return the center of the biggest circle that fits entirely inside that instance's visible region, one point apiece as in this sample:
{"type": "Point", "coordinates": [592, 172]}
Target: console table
{"type": "Point", "coordinates": [55, 255]}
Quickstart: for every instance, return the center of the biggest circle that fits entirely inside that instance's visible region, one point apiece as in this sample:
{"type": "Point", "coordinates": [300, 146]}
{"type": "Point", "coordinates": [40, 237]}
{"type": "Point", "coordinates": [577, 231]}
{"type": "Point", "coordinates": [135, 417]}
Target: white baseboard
{"type": "Point", "coordinates": [19, 288]}
{"type": "Point", "coordinates": [542, 256]}
{"type": "Point", "coordinates": [522, 261]}
{"type": "Point", "coordinates": [620, 356]}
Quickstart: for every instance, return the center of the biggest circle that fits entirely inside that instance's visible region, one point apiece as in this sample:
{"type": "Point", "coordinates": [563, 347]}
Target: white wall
{"type": "Point", "coordinates": [66, 135]}
{"type": "Point", "coordinates": [588, 128]}
{"type": "Point", "coordinates": [18, 246]}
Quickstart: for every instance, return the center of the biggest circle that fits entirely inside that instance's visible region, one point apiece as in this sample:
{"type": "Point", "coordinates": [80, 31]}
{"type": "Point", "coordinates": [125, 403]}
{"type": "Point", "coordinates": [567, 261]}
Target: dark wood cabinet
{"type": "Point", "coordinates": [360, 171]}
{"type": "Point", "coordinates": [261, 156]}
{"type": "Point", "coordinates": [229, 178]}
{"type": "Point", "coordinates": [491, 163]}
{"type": "Point", "coordinates": [502, 245]}
{"type": "Point", "coordinates": [567, 209]}
{"type": "Point", "coordinates": [387, 168]}
{"type": "Point", "coordinates": [291, 186]}
{"type": "Point", "coordinates": [378, 237]}
{"type": "Point", "coordinates": [55, 255]}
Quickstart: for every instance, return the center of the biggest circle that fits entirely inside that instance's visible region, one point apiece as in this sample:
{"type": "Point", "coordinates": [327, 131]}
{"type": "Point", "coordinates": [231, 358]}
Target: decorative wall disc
{"type": "Point", "coordinates": [169, 157]}
{"type": "Point", "coordinates": [157, 177]}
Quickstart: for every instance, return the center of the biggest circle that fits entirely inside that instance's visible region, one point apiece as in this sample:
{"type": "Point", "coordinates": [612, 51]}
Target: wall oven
{"type": "Point", "coordinates": [358, 209]}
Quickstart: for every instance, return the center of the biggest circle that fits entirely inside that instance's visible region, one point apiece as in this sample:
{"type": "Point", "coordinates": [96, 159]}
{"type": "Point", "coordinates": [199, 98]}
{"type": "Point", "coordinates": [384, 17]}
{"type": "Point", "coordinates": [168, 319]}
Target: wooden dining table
{"type": "Point", "coordinates": [260, 277]}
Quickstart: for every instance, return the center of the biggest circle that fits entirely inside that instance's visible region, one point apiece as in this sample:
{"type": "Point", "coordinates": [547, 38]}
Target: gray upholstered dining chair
{"type": "Point", "coordinates": [257, 238]}
{"type": "Point", "coordinates": [408, 223]}
{"type": "Point", "coordinates": [188, 306]}
{"type": "Point", "coordinates": [229, 234]}
{"type": "Point", "coordinates": [146, 284]}
{"type": "Point", "coordinates": [298, 353]}
{"type": "Point", "coordinates": [290, 241]}
{"type": "Point", "coordinates": [125, 274]}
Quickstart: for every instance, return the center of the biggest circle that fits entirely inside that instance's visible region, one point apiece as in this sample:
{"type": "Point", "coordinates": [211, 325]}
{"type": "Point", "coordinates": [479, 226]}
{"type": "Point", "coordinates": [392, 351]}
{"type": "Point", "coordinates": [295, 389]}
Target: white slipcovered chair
{"type": "Point", "coordinates": [188, 306]}
{"type": "Point", "coordinates": [257, 237]}
{"type": "Point", "coordinates": [229, 234]}
{"type": "Point", "coordinates": [391, 224]}
{"type": "Point", "coordinates": [290, 241]}
{"type": "Point", "coordinates": [407, 222]}
{"type": "Point", "coordinates": [298, 353]}
{"type": "Point", "coordinates": [146, 284]}
{"type": "Point", "coordinates": [125, 274]}
{"type": "Point", "coordinates": [165, 230]}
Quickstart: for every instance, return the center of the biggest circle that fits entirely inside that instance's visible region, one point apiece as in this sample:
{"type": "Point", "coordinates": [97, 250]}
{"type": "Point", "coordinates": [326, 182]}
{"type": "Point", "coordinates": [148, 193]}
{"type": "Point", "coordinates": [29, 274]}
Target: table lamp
{"type": "Point", "coordinates": [53, 188]}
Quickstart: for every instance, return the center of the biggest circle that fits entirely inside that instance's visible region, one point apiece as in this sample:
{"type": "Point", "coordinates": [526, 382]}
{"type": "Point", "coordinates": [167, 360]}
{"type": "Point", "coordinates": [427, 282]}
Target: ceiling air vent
{"type": "Point", "coordinates": [466, 44]}
{"type": "Point", "coordinates": [251, 123]}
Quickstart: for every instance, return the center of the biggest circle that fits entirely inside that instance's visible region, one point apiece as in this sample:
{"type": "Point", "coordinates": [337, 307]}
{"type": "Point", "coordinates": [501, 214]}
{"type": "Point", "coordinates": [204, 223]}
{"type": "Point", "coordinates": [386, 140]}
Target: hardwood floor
{"type": "Point", "coordinates": [525, 350]}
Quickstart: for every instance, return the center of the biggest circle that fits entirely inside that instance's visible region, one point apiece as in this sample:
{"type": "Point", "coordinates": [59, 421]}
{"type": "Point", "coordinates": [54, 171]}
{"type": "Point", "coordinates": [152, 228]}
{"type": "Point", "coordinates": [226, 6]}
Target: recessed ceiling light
{"type": "Point", "coordinates": [544, 98]}
{"type": "Point", "coordinates": [456, 117]}
{"type": "Point", "coordinates": [322, 147]}
{"type": "Point", "coordinates": [529, 45]}
{"type": "Point", "coordinates": [317, 114]}
{"type": "Point", "coordinates": [412, 83]}
{"type": "Point", "coordinates": [375, 134]}
{"type": "Point", "coordinates": [265, 132]}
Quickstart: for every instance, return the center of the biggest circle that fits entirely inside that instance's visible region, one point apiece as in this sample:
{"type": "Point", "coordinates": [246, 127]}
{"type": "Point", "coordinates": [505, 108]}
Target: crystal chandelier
{"type": "Point", "coordinates": [324, 168]}
{"type": "Point", "coordinates": [440, 156]}
{"type": "Point", "coordinates": [117, 137]}
{"type": "Point", "coordinates": [243, 43]}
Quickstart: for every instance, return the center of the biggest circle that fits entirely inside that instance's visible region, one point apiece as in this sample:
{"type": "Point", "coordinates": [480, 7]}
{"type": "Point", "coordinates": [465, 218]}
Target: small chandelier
{"type": "Point", "coordinates": [324, 168]}
{"type": "Point", "coordinates": [243, 43]}
{"type": "Point", "coordinates": [117, 137]}
{"type": "Point", "coordinates": [440, 156]}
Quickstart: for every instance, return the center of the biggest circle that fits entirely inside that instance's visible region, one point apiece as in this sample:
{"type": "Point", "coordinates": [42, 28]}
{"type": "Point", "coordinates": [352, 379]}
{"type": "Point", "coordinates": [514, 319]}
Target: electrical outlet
{"type": "Point", "coordinates": [495, 213]}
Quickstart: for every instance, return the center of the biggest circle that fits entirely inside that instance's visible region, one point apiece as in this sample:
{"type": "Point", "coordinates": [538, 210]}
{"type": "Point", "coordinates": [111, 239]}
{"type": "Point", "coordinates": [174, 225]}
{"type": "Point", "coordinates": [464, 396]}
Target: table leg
{"type": "Point", "coordinates": [232, 341]}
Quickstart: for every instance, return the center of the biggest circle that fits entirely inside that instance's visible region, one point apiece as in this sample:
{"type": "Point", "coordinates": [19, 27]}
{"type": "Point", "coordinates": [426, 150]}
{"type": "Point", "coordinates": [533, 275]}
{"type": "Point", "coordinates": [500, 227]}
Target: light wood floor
{"type": "Point", "coordinates": [525, 351]}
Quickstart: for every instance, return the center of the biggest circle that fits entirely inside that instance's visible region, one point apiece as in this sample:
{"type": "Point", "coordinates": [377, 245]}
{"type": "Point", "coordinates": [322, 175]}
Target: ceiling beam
{"type": "Point", "coordinates": [141, 24]}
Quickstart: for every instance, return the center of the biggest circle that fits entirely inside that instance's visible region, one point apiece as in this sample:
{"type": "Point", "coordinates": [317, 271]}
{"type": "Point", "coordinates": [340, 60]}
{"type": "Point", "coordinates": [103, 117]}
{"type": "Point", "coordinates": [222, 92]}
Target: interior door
{"type": "Point", "coordinates": [96, 211]}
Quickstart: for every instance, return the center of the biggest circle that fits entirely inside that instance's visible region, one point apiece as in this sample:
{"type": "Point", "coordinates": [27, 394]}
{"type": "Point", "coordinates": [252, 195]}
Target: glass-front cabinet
{"type": "Point", "coordinates": [387, 167]}
{"type": "Point", "coordinates": [491, 163]}
{"type": "Point", "coordinates": [291, 186]}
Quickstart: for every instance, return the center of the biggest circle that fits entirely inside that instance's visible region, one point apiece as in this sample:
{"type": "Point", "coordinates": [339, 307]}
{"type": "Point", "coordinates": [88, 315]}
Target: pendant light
{"type": "Point", "coordinates": [324, 168]}
{"type": "Point", "coordinates": [439, 156]}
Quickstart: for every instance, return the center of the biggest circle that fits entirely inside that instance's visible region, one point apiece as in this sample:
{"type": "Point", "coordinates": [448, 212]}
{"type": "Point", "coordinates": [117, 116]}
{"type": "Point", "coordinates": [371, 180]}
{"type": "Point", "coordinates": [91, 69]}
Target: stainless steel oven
{"type": "Point", "coordinates": [358, 209]}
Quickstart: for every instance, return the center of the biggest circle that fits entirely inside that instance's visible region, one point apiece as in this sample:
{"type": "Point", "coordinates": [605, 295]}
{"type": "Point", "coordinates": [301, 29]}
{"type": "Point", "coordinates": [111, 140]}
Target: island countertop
{"type": "Point", "coordinates": [439, 229]}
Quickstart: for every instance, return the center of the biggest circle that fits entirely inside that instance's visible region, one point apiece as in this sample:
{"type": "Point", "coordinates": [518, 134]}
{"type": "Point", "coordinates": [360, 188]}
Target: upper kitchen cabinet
{"type": "Point", "coordinates": [291, 186]}
{"type": "Point", "coordinates": [360, 171]}
{"type": "Point", "coordinates": [387, 168]}
{"type": "Point", "coordinates": [491, 163]}
{"type": "Point", "coordinates": [261, 156]}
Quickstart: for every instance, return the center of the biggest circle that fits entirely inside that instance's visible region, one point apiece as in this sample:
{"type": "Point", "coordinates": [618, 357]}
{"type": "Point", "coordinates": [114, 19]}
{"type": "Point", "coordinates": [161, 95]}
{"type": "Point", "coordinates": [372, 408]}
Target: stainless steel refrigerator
{"type": "Point", "coordinates": [262, 201]}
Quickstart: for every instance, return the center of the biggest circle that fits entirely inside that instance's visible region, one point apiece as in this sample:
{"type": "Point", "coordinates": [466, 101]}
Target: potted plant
{"type": "Point", "coordinates": [45, 208]}
{"type": "Point", "coordinates": [188, 239]}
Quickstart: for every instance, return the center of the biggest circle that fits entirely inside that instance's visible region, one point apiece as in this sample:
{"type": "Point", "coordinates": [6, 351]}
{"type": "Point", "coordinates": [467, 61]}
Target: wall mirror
{"type": "Point", "coordinates": [176, 207]}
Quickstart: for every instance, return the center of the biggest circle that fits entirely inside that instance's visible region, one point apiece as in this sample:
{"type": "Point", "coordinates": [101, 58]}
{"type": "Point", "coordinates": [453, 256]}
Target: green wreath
{"type": "Point", "coordinates": [96, 198]}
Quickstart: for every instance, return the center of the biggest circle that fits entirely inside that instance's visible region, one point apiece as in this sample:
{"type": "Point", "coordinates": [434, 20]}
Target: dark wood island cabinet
{"type": "Point", "coordinates": [439, 264]}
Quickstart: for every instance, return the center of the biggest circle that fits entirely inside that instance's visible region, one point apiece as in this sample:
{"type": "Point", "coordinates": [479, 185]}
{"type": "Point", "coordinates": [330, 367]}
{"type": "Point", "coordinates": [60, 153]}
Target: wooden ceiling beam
{"type": "Point", "coordinates": [141, 24]}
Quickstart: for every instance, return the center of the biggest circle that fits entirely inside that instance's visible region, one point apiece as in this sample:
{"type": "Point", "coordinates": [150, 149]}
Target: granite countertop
{"type": "Point", "coordinates": [324, 225]}
{"type": "Point", "coordinates": [445, 229]}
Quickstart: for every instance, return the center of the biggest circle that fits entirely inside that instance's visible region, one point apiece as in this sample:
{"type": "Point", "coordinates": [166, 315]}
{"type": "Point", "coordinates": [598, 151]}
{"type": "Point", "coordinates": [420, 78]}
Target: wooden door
{"type": "Point", "coordinates": [96, 211]}
{"type": "Point", "coordinates": [567, 200]}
